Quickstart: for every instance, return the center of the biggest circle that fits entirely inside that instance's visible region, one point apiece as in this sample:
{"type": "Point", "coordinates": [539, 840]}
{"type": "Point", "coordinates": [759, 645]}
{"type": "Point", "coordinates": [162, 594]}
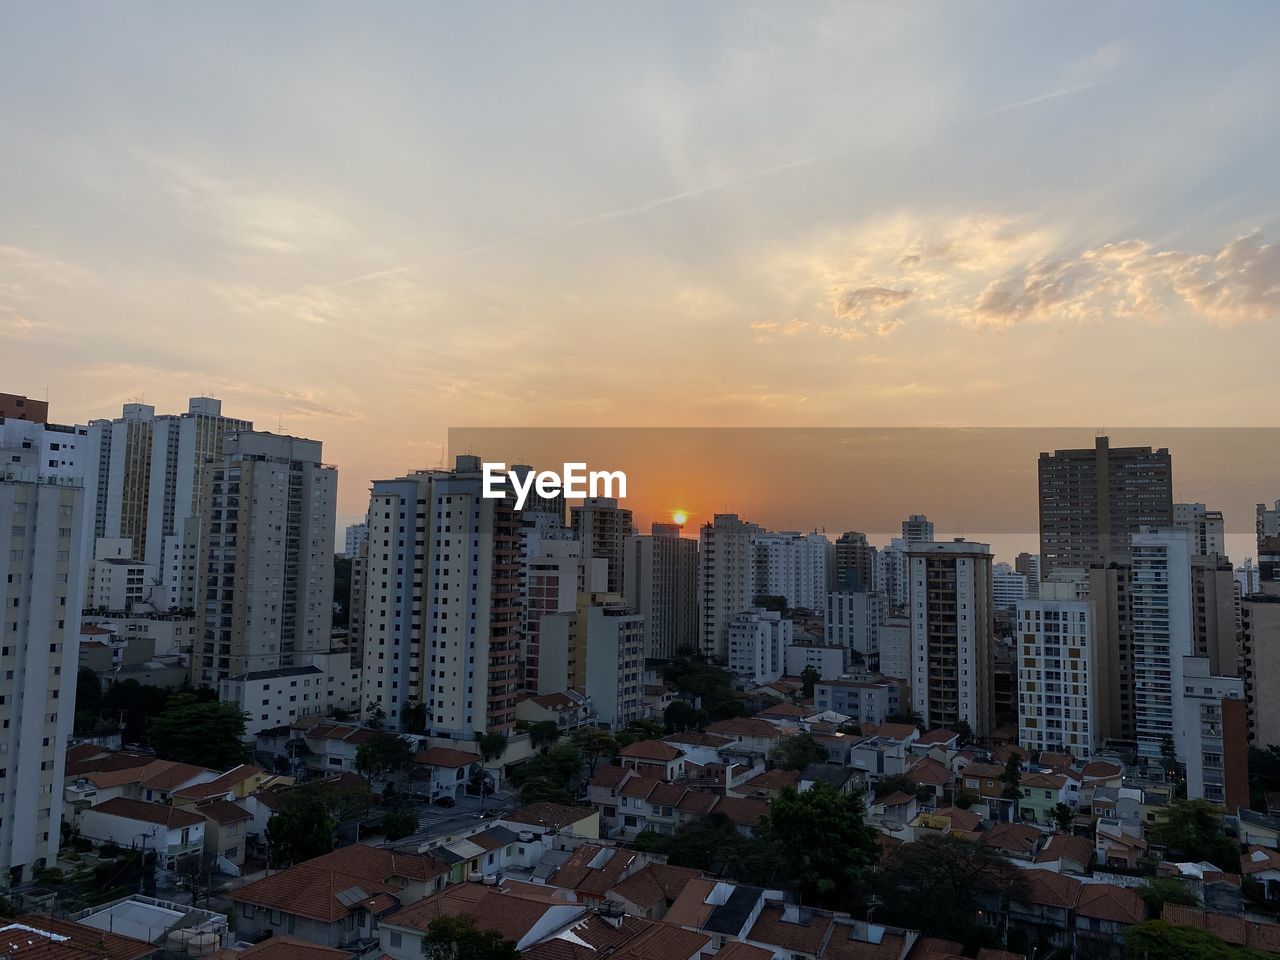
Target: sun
{"type": "Point", "coordinates": [679, 517]}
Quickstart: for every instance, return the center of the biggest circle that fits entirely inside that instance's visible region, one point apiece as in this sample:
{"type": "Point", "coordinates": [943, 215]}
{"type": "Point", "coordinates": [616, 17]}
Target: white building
{"type": "Point", "coordinates": [117, 582]}
{"type": "Point", "coordinates": [726, 577]}
{"type": "Point", "coordinates": [757, 641]}
{"type": "Point", "coordinates": [1058, 687]}
{"type": "Point", "coordinates": [1162, 631]}
{"type": "Point", "coordinates": [660, 582]}
{"type": "Point", "coordinates": [442, 607]}
{"type": "Point", "coordinates": [357, 535]}
{"type": "Point", "coordinates": [1205, 528]}
{"type": "Point", "coordinates": [951, 634]}
{"type": "Point", "coordinates": [795, 566]}
{"type": "Point", "coordinates": [41, 545]}
{"type": "Point", "coordinates": [555, 573]}
{"type": "Point", "coordinates": [895, 647]}
{"type": "Point", "coordinates": [891, 573]}
{"type": "Point", "coordinates": [1248, 578]}
{"type": "Point", "coordinates": [267, 578]}
{"type": "Point", "coordinates": [827, 660]}
{"type": "Point", "coordinates": [604, 529]}
{"type": "Point", "coordinates": [1210, 725]}
{"type": "Point", "coordinates": [1008, 589]}
{"type": "Point", "coordinates": [276, 698]}
{"type": "Point", "coordinates": [853, 621]}
{"type": "Point", "coordinates": [172, 832]}
{"type": "Point", "coordinates": [615, 662]}
{"type": "Point", "coordinates": [917, 528]}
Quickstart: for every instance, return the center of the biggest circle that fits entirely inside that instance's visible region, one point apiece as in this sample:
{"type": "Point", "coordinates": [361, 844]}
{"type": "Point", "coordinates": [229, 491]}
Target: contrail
{"type": "Point", "coordinates": [664, 201]}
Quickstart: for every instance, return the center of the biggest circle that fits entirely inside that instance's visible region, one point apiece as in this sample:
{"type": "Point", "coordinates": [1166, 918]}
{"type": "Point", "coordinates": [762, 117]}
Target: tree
{"type": "Point", "coordinates": [773, 604]}
{"type": "Point", "coordinates": [198, 731]}
{"type": "Point", "coordinates": [1012, 777]}
{"type": "Point", "coordinates": [384, 754]}
{"type": "Point", "coordinates": [1264, 774]}
{"type": "Point", "coordinates": [809, 676]}
{"type": "Point", "coordinates": [964, 798]}
{"type": "Point", "coordinates": [458, 938]}
{"type": "Point", "coordinates": [397, 825]}
{"type": "Point", "coordinates": [1158, 891]}
{"type": "Point", "coordinates": [1169, 762]}
{"type": "Point", "coordinates": [680, 716]}
{"type": "Point", "coordinates": [492, 745]}
{"type": "Point", "coordinates": [1064, 817]}
{"type": "Point", "coordinates": [552, 776]}
{"type": "Point", "coordinates": [796, 753]}
{"type": "Point", "coordinates": [826, 847]}
{"type": "Point", "coordinates": [375, 716]}
{"type": "Point", "coordinates": [1158, 940]}
{"type": "Point", "coordinates": [413, 717]}
{"type": "Point", "coordinates": [706, 685]}
{"type": "Point", "coordinates": [341, 591]}
{"type": "Point", "coordinates": [714, 845]}
{"type": "Point", "coordinates": [592, 743]}
{"type": "Point", "coordinates": [300, 829]}
{"type": "Point", "coordinates": [932, 885]}
{"type": "Point", "coordinates": [964, 732]}
{"type": "Point", "coordinates": [1193, 830]}
{"type": "Point", "coordinates": [544, 733]}
{"type": "Point", "coordinates": [637, 730]}
{"type": "Point", "coordinates": [909, 717]}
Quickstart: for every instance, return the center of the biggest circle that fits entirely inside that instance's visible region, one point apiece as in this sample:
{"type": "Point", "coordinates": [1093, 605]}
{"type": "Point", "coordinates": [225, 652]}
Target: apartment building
{"type": "Point", "coordinates": [660, 582]}
{"type": "Point", "coordinates": [853, 621]}
{"type": "Point", "coordinates": [1161, 619]}
{"type": "Point", "coordinates": [758, 640]}
{"type": "Point", "coordinates": [1205, 527]}
{"type": "Point", "coordinates": [604, 529]}
{"type": "Point", "coordinates": [794, 566]}
{"type": "Point", "coordinates": [854, 556]}
{"type": "Point", "coordinates": [726, 578]}
{"type": "Point", "coordinates": [1058, 688]}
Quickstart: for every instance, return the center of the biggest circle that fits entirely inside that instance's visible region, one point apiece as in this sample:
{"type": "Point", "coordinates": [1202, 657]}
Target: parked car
{"type": "Point", "coordinates": [444, 802]}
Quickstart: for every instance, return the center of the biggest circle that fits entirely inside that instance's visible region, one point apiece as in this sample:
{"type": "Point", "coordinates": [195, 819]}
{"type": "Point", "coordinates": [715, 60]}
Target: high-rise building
{"type": "Point", "coordinates": [917, 528]}
{"type": "Point", "coordinates": [1058, 688]}
{"type": "Point", "coordinates": [1248, 578]}
{"type": "Point", "coordinates": [891, 573]}
{"type": "Point", "coordinates": [951, 634]}
{"type": "Point", "coordinates": [1110, 587]}
{"type": "Point", "coordinates": [1260, 617]}
{"type": "Point", "coordinates": [854, 556]}
{"type": "Point", "coordinates": [794, 566]}
{"type": "Point", "coordinates": [726, 578]}
{"type": "Point", "coordinates": [1268, 521]}
{"type": "Point", "coordinates": [853, 621]}
{"type": "Point", "coordinates": [556, 575]}
{"type": "Point", "coordinates": [145, 474]}
{"type": "Point", "coordinates": [266, 578]}
{"type": "Point", "coordinates": [1163, 634]}
{"type": "Point", "coordinates": [1008, 589]}
{"type": "Point", "coordinates": [758, 641]}
{"type": "Point", "coordinates": [1215, 617]}
{"type": "Point", "coordinates": [357, 534]}
{"type": "Point", "coordinates": [41, 542]}
{"type": "Point", "coordinates": [1092, 501]}
{"type": "Point", "coordinates": [1212, 735]}
{"type": "Point", "coordinates": [1205, 527]}
{"type": "Point", "coordinates": [442, 618]}
{"type": "Point", "coordinates": [1028, 564]}
{"type": "Point", "coordinates": [604, 529]}
{"type": "Point", "coordinates": [660, 582]}
{"type": "Point", "coordinates": [597, 649]}
{"type": "Point", "coordinates": [358, 600]}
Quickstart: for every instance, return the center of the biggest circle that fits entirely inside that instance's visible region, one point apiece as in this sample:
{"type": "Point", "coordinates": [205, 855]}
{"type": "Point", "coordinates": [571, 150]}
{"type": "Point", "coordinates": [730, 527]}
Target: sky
{"type": "Point", "coordinates": [369, 223]}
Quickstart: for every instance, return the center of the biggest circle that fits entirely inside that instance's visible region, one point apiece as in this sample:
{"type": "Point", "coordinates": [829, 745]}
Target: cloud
{"type": "Point", "coordinates": [864, 301]}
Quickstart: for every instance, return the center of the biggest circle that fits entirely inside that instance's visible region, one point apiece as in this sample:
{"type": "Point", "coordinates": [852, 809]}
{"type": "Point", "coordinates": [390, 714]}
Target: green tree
{"type": "Point", "coordinates": [809, 676]}
{"type": "Point", "coordinates": [384, 755]}
{"type": "Point", "coordinates": [680, 716]}
{"type": "Point", "coordinates": [909, 717]}
{"type": "Point", "coordinates": [397, 825]}
{"type": "Point", "coordinates": [458, 938]}
{"type": "Point", "coordinates": [709, 686]}
{"type": "Point", "coordinates": [964, 798]}
{"type": "Point", "coordinates": [202, 732]}
{"type": "Point", "coordinates": [300, 829]}
{"type": "Point", "coordinates": [637, 730]}
{"type": "Point", "coordinates": [413, 717]}
{"type": "Point", "coordinates": [825, 845]}
{"type": "Point", "coordinates": [796, 753]}
{"type": "Point", "coordinates": [1012, 777]}
{"type": "Point", "coordinates": [552, 776]}
{"type": "Point", "coordinates": [1264, 774]}
{"type": "Point", "coordinates": [931, 885]}
{"type": "Point", "coordinates": [592, 744]}
{"type": "Point", "coordinates": [714, 845]}
{"type": "Point", "coordinates": [544, 733]}
{"type": "Point", "coordinates": [492, 745]}
{"type": "Point", "coordinates": [1172, 768]}
{"type": "Point", "coordinates": [1158, 891]}
{"type": "Point", "coordinates": [1157, 940]}
{"type": "Point", "coordinates": [1064, 817]}
{"type": "Point", "coordinates": [772, 603]}
{"type": "Point", "coordinates": [1193, 830]}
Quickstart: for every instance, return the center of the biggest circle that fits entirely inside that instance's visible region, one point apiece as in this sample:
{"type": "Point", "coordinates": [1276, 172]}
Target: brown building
{"type": "Point", "coordinates": [15, 407]}
{"type": "Point", "coordinates": [854, 555]}
{"type": "Point", "coordinates": [1093, 500]}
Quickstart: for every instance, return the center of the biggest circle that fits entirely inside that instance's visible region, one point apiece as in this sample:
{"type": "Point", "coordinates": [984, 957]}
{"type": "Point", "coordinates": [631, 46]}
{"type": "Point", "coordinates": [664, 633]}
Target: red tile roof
{"type": "Point", "coordinates": [651, 750]}
{"type": "Point", "coordinates": [158, 813]}
{"type": "Point", "coordinates": [509, 914]}
{"type": "Point", "coordinates": [445, 757]}
{"type": "Point", "coordinates": [83, 941]}
{"type": "Point", "coordinates": [743, 811]}
{"type": "Point", "coordinates": [1106, 901]}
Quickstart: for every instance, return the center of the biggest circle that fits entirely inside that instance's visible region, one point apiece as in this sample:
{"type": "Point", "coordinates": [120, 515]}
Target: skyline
{"type": "Point", "coordinates": [369, 229]}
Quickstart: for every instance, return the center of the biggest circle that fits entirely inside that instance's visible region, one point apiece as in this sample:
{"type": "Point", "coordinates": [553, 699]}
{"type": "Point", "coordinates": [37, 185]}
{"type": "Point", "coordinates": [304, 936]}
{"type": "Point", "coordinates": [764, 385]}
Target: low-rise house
{"type": "Point", "coordinates": [1042, 910]}
{"type": "Point", "coordinates": [619, 938]}
{"type": "Point", "coordinates": [226, 828]}
{"type": "Point", "coordinates": [842, 779]}
{"type": "Point", "coordinates": [1041, 793]}
{"type": "Point", "coordinates": [1104, 912]}
{"type": "Point", "coordinates": [724, 911]}
{"type": "Point", "coordinates": [237, 783]}
{"type": "Point", "coordinates": [173, 833]}
{"type": "Point", "coordinates": [602, 792]}
{"type": "Point", "coordinates": [1018, 840]}
{"type": "Point", "coordinates": [1117, 844]}
{"type": "Point", "coordinates": [651, 891]}
{"type": "Point", "coordinates": [945, 821]}
{"type": "Point", "coordinates": [743, 813]}
{"type": "Point", "coordinates": [44, 937]}
{"type": "Point", "coordinates": [803, 933]}
{"type": "Point", "coordinates": [1258, 829]}
{"type": "Point", "coordinates": [1065, 853]}
{"type": "Point", "coordinates": [320, 747]}
{"type": "Point", "coordinates": [593, 870]}
{"type": "Point", "coordinates": [926, 772]}
{"type": "Point", "coordinates": [758, 736]}
{"type": "Point", "coordinates": [939, 743]}
{"type": "Point", "coordinates": [1262, 866]}
{"type": "Point", "coordinates": [653, 758]}
{"type": "Point", "coordinates": [700, 748]}
{"type": "Point", "coordinates": [556, 819]}
{"type": "Point", "coordinates": [289, 948]}
{"type": "Point", "coordinates": [766, 785]}
{"type": "Point", "coordinates": [895, 810]}
{"type": "Point", "coordinates": [444, 772]}
{"type": "Point", "coordinates": [486, 853]}
{"type": "Point", "coordinates": [567, 710]}
{"type": "Point", "coordinates": [788, 715]}
{"type": "Point", "coordinates": [338, 899]}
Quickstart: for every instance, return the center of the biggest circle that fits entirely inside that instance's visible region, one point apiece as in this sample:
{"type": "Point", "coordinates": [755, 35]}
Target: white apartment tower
{"type": "Point", "coordinates": [41, 546]}
{"type": "Point", "coordinates": [442, 611]}
{"type": "Point", "coordinates": [1205, 527]}
{"type": "Point", "coordinates": [917, 528]}
{"type": "Point", "coordinates": [853, 621]}
{"type": "Point", "coordinates": [660, 582]}
{"type": "Point", "coordinates": [795, 566]}
{"type": "Point", "coordinates": [758, 641]}
{"type": "Point", "coordinates": [726, 578]}
{"type": "Point", "coordinates": [1058, 688]}
{"type": "Point", "coordinates": [266, 580]}
{"type": "Point", "coordinates": [605, 530]}
{"type": "Point", "coordinates": [951, 634]}
{"type": "Point", "coordinates": [1162, 632]}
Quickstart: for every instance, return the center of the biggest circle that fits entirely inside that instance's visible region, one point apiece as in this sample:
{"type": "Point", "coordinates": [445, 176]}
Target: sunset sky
{"type": "Point", "coordinates": [368, 223]}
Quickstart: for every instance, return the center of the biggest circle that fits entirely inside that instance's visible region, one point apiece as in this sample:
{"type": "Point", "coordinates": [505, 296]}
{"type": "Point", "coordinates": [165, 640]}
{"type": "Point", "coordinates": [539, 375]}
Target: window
{"type": "Point", "coordinates": [394, 938]}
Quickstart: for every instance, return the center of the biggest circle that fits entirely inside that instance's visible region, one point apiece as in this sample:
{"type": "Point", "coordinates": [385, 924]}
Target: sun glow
{"type": "Point", "coordinates": [679, 517]}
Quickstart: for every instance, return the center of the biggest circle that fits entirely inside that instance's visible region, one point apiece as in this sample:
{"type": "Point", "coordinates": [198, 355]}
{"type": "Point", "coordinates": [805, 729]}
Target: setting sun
{"type": "Point", "coordinates": [679, 517]}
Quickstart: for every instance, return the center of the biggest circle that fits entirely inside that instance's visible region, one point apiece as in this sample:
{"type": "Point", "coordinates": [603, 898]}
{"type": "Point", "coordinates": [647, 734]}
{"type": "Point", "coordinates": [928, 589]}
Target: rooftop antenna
{"type": "Point", "coordinates": [279, 422]}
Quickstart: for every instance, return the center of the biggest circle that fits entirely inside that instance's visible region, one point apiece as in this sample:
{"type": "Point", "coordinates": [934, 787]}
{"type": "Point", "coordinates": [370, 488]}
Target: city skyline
{"type": "Point", "coordinates": [392, 225]}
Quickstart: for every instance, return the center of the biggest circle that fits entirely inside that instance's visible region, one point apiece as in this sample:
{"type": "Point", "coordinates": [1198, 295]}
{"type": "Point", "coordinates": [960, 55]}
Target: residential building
{"type": "Point", "coordinates": [1008, 589]}
{"type": "Point", "coordinates": [1028, 564]}
{"type": "Point", "coordinates": [604, 529]}
{"type": "Point", "coordinates": [172, 832]}
{"type": "Point", "coordinates": [442, 614]}
{"type": "Point", "coordinates": [891, 573]}
{"type": "Point", "coordinates": [42, 556]}
{"type": "Point", "coordinates": [827, 660]}
{"type": "Point", "coordinates": [853, 621]}
{"type": "Point", "coordinates": [615, 662]}
{"type": "Point", "coordinates": [266, 584]}
{"type": "Point", "coordinates": [660, 582]}
{"type": "Point", "coordinates": [917, 528]}
{"type": "Point", "coordinates": [357, 536]}
{"type": "Point", "coordinates": [14, 406]}
{"type": "Point", "coordinates": [895, 647]}
{"type": "Point", "coordinates": [555, 576]}
{"type": "Point", "coordinates": [854, 557]}
{"type": "Point", "coordinates": [1110, 587]}
{"type": "Point", "coordinates": [1205, 528]}
{"type": "Point", "coordinates": [117, 582]}
{"type": "Point", "coordinates": [794, 566]}
{"type": "Point", "coordinates": [1248, 578]}
{"type": "Point", "coordinates": [757, 641]}
{"type": "Point", "coordinates": [951, 634]}
{"type": "Point", "coordinates": [1058, 687]}
{"type": "Point", "coordinates": [1211, 727]}
{"type": "Point", "coordinates": [1214, 613]}
{"type": "Point", "coordinates": [1260, 617]}
{"type": "Point", "coordinates": [1161, 630]}
{"type": "Point", "coordinates": [323, 681]}
{"type": "Point", "coordinates": [1093, 500]}
{"type": "Point", "coordinates": [726, 578]}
